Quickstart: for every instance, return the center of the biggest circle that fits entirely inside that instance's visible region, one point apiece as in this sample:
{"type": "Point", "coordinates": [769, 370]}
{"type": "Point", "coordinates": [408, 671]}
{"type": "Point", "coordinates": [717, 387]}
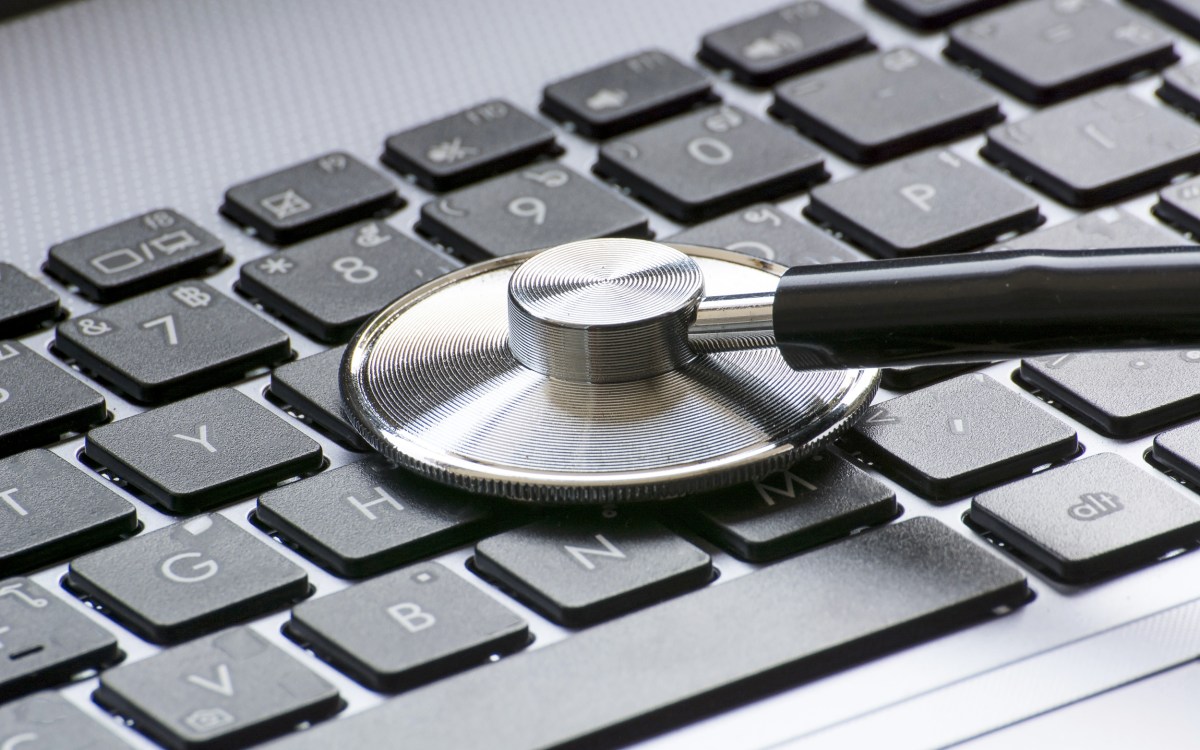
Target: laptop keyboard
{"type": "Point", "coordinates": [221, 561]}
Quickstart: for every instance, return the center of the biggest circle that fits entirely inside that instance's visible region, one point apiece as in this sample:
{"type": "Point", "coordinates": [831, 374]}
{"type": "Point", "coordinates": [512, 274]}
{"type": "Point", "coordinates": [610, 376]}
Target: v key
{"type": "Point", "coordinates": [223, 685]}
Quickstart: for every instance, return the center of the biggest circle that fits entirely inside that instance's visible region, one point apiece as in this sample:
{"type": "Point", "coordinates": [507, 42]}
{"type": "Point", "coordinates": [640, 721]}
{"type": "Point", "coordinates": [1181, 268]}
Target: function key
{"type": "Point", "coordinates": [1093, 517]}
{"type": "Point", "coordinates": [484, 140]}
{"type": "Point", "coordinates": [51, 721]}
{"type": "Point", "coordinates": [626, 94]}
{"type": "Point", "coordinates": [24, 303]}
{"type": "Point", "coordinates": [540, 206]}
{"type": "Point", "coordinates": [786, 41]}
{"type": "Point", "coordinates": [309, 391]}
{"type": "Point", "coordinates": [329, 285]}
{"type": "Point", "coordinates": [40, 402]}
{"type": "Point", "coordinates": [233, 689]}
{"type": "Point", "coordinates": [44, 642]}
{"type": "Point", "coordinates": [172, 342]}
{"type": "Point", "coordinates": [932, 14]}
{"type": "Point", "coordinates": [135, 255]}
{"type": "Point", "coordinates": [203, 451]}
{"type": "Point", "coordinates": [702, 164]}
{"type": "Point", "coordinates": [50, 510]}
{"type": "Point", "coordinates": [306, 199]}
{"type": "Point", "coordinates": [763, 230]}
{"type": "Point", "coordinates": [188, 579]}
{"type": "Point", "coordinates": [1048, 50]}
{"type": "Point", "coordinates": [410, 627]}
{"type": "Point", "coordinates": [875, 107]}
{"type": "Point", "coordinates": [928, 203]}
{"type": "Point", "coordinates": [1097, 149]}
{"type": "Point", "coordinates": [959, 436]}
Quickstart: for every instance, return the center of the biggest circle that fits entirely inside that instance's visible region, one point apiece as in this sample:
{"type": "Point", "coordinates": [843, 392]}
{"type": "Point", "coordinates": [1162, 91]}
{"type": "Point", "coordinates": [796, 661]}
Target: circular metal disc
{"type": "Point", "coordinates": [430, 383]}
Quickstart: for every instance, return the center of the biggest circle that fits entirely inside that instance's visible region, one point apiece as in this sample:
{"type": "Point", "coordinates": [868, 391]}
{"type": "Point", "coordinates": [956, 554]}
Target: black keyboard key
{"type": "Point", "coordinates": [24, 303]}
{"type": "Point", "coordinates": [306, 199]}
{"type": "Point", "coordinates": [907, 378]}
{"type": "Point", "coordinates": [173, 342]}
{"type": "Point", "coordinates": [929, 203]}
{"type": "Point", "coordinates": [880, 106]}
{"type": "Point", "coordinates": [309, 388]}
{"type": "Point", "coordinates": [229, 690]}
{"type": "Point", "coordinates": [466, 146]}
{"type": "Point", "coordinates": [626, 94]}
{"type": "Point", "coordinates": [1098, 149]}
{"type": "Point", "coordinates": [792, 622]}
{"type": "Point", "coordinates": [702, 164]}
{"type": "Point", "coordinates": [957, 437]}
{"type": "Point", "coordinates": [135, 255]}
{"type": "Point", "coordinates": [1091, 518]}
{"type": "Point", "coordinates": [187, 579]}
{"type": "Point", "coordinates": [1179, 451]}
{"type": "Point", "coordinates": [43, 642]}
{"type": "Point", "coordinates": [50, 510]}
{"type": "Point", "coordinates": [1181, 87]}
{"type": "Point", "coordinates": [203, 451]}
{"type": "Point", "coordinates": [50, 721]}
{"type": "Point", "coordinates": [1124, 394]}
{"type": "Point", "coordinates": [410, 627]}
{"type": "Point", "coordinates": [579, 569]}
{"type": "Point", "coordinates": [540, 206]}
{"type": "Point", "coordinates": [330, 284]}
{"type": "Point", "coordinates": [815, 501]}
{"type": "Point", "coordinates": [767, 232]}
{"type": "Point", "coordinates": [1048, 50]}
{"type": "Point", "coordinates": [1182, 14]}
{"type": "Point", "coordinates": [932, 14]}
{"type": "Point", "coordinates": [368, 517]}
{"type": "Point", "coordinates": [40, 402]}
{"type": "Point", "coordinates": [786, 41]}
{"type": "Point", "coordinates": [1179, 206]}
{"type": "Point", "coordinates": [1106, 228]}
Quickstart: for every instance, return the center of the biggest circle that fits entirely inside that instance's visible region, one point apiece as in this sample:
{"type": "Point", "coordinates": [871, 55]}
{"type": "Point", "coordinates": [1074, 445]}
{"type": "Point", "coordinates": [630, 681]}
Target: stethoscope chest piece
{"type": "Point", "coordinates": [566, 377]}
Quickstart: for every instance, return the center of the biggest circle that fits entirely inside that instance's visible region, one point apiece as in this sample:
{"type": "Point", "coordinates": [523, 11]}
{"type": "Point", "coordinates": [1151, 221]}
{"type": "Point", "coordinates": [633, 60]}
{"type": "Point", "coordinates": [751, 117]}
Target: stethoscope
{"type": "Point", "coordinates": [617, 370]}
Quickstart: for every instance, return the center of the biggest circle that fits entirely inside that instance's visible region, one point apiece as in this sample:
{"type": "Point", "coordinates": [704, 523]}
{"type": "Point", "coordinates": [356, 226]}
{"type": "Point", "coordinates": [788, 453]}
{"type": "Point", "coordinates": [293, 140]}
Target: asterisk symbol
{"type": "Point", "coordinates": [275, 265]}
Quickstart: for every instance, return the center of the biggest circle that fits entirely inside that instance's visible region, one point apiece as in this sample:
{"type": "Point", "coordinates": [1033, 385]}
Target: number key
{"type": "Point", "coordinates": [165, 344]}
{"type": "Point", "coordinates": [24, 303]}
{"type": "Point", "coordinates": [40, 402]}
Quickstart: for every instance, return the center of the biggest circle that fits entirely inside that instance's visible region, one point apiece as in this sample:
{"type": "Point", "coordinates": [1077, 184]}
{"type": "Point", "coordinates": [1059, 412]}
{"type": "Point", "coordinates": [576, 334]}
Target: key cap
{"type": "Point", "coordinates": [24, 303]}
{"type": "Point", "coordinates": [907, 378]}
{"type": "Point", "coordinates": [1094, 517]}
{"type": "Point", "coordinates": [1098, 149]}
{"type": "Point", "coordinates": [411, 626]}
{"type": "Point", "coordinates": [579, 569]}
{"type": "Point", "coordinates": [932, 14]}
{"type": "Point", "coordinates": [815, 501]}
{"type": "Point", "coordinates": [1049, 50]}
{"type": "Point", "coordinates": [876, 107]}
{"type": "Point", "coordinates": [626, 94]}
{"type": "Point", "coordinates": [309, 198]}
{"type": "Point", "coordinates": [783, 42]}
{"type": "Point", "coordinates": [367, 517]}
{"type": "Point", "coordinates": [135, 255]}
{"type": "Point", "coordinates": [929, 203]}
{"type": "Point", "coordinates": [47, 720]}
{"type": "Point", "coordinates": [330, 284]}
{"type": "Point", "coordinates": [806, 617]}
{"type": "Point", "coordinates": [39, 402]}
{"type": "Point", "coordinates": [466, 146]}
{"type": "Point", "coordinates": [540, 206]}
{"type": "Point", "coordinates": [43, 642]}
{"type": "Point", "coordinates": [959, 436]}
{"type": "Point", "coordinates": [732, 160]}
{"type": "Point", "coordinates": [232, 689]}
{"type": "Point", "coordinates": [1179, 451]}
{"type": "Point", "coordinates": [203, 451]}
{"type": "Point", "coordinates": [1103, 229]}
{"type": "Point", "coordinates": [1181, 87]}
{"type": "Point", "coordinates": [309, 387]}
{"type": "Point", "coordinates": [50, 510]}
{"type": "Point", "coordinates": [187, 579]}
{"type": "Point", "coordinates": [1123, 394]}
{"type": "Point", "coordinates": [765, 231]}
{"type": "Point", "coordinates": [1179, 205]}
{"type": "Point", "coordinates": [171, 343]}
{"type": "Point", "coordinates": [1182, 14]}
